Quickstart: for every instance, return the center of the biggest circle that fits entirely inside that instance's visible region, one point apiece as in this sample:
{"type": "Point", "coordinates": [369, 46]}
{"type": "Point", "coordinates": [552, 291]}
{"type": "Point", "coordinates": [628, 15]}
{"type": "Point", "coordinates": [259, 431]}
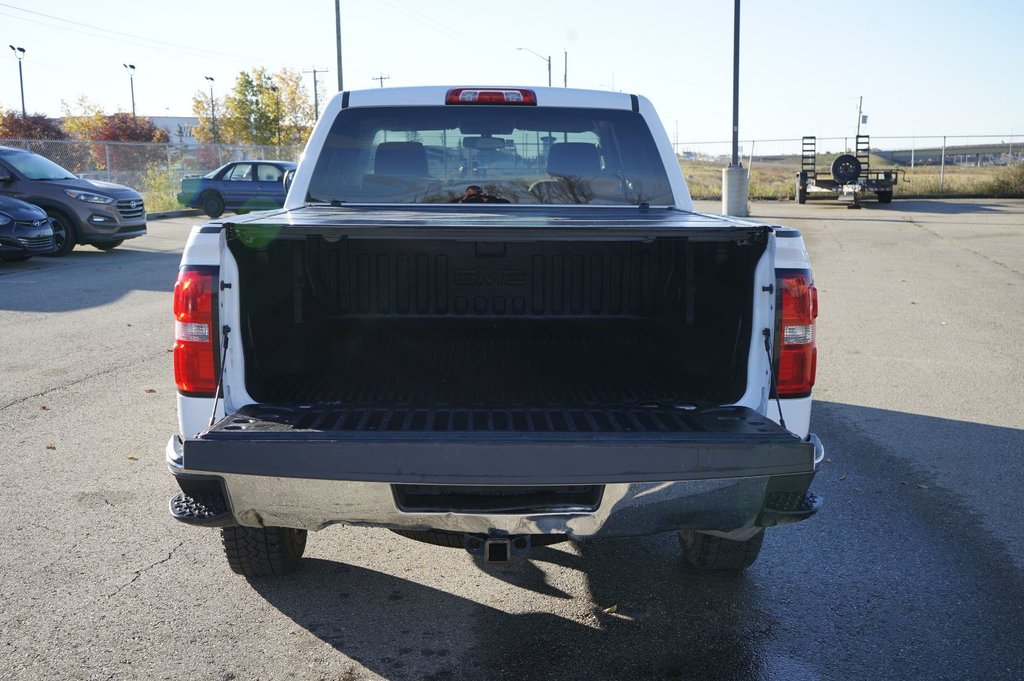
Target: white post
{"type": "Point", "coordinates": [942, 168]}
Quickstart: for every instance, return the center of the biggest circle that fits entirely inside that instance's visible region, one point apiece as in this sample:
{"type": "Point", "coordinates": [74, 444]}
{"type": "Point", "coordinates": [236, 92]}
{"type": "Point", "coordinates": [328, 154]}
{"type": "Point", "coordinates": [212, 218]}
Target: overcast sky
{"type": "Point", "coordinates": [923, 68]}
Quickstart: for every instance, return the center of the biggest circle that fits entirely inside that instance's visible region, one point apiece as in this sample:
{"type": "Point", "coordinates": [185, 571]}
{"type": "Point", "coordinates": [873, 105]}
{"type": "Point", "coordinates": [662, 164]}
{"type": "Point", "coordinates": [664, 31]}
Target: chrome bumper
{"type": "Point", "coordinates": [626, 509]}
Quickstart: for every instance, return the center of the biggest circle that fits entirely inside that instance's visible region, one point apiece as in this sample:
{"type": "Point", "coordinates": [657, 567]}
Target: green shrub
{"type": "Point", "coordinates": [159, 188]}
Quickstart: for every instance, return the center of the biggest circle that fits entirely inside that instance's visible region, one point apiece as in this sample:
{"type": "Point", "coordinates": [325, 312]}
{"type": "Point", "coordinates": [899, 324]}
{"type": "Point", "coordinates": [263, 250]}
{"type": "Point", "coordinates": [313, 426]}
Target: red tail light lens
{"type": "Point", "coordinates": [798, 354]}
{"type": "Point", "coordinates": [195, 332]}
{"type": "Point", "coordinates": [465, 95]}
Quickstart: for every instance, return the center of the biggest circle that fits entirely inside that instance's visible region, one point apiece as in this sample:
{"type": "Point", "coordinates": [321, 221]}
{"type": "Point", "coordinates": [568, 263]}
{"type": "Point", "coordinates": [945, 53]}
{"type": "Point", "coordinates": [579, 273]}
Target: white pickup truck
{"type": "Point", "coordinates": [490, 318]}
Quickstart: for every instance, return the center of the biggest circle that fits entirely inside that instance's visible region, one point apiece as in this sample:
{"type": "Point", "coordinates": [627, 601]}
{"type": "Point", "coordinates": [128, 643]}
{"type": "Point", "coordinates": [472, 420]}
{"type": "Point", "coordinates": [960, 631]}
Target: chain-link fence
{"type": "Point", "coordinates": [154, 169]}
{"type": "Point", "coordinates": [929, 165]}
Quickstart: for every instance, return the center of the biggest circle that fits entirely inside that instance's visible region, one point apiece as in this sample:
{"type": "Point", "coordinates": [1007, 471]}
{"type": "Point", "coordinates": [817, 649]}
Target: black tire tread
{"type": "Point", "coordinates": [263, 551]}
{"type": "Point", "coordinates": [108, 245]}
{"type": "Point", "coordinates": [708, 552]}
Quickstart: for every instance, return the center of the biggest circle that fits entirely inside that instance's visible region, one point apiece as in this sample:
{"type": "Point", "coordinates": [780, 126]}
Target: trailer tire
{"type": "Point", "coordinates": [801, 190]}
{"type": "Point", "coordinates": [885, 196]}
{"type": "Point", "coordinates": [846, 168]}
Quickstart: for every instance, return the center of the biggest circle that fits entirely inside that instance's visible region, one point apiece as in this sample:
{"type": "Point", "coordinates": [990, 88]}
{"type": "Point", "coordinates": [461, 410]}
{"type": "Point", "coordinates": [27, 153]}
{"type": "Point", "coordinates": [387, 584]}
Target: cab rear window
{"type": "Point", "coordinates": [490, 154]}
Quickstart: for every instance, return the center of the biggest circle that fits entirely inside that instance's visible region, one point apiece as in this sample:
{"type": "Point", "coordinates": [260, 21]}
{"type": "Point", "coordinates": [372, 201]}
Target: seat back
{"type": "Point", "coordinates": [574, 158]}
{"type": "Point", "coordinates": [400, 159]}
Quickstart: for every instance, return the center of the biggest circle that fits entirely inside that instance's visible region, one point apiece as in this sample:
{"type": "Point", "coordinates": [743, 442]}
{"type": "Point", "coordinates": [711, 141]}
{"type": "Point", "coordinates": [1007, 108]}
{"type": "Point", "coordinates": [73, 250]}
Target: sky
{"type": "Point", "coordinates": [923, 68]}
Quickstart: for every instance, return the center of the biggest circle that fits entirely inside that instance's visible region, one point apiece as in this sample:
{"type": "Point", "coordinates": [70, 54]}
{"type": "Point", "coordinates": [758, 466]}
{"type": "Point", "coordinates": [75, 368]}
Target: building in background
{"type": "Point", "coordinates": [179, 128]}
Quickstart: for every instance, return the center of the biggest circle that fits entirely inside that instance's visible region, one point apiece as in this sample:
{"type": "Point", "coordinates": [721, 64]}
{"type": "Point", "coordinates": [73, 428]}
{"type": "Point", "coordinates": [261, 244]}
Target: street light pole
{"type": "Point", "coordinates": [547, 59]}
{"type": "Point", "coordinates": [213, 108]}
{"type": "Point", "coordinates": [19, 54]}
{"type": "Point", "coordinates": [130, 68]}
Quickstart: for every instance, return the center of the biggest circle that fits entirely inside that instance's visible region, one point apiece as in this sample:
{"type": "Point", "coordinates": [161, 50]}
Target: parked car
{"type": "Point", "coordinates": [238, 186]}
{"type": "Point", "coordinates": [102, 214]}
{"type": "Point", "coordinates": [25, 230]}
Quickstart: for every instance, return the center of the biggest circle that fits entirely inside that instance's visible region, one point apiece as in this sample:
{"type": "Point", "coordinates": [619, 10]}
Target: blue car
{"type": "Point", "coordinates": [25, 230]}
{"type": "Point", "coordinates": [238, 186]}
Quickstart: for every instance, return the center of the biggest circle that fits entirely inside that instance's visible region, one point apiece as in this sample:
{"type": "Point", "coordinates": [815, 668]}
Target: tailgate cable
{"type": "Point", "coordinates": [220, 379]}
{"type": "Point", "coordinates": [774, 386]}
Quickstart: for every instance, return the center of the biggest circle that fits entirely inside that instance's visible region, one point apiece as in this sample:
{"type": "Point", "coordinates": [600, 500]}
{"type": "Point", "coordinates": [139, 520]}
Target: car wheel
{"type": "Point", "coordinates": [109, 245]}
{"type": "Point", "coordinates": [708, 552]}
{"type": "Point", "coordinates": [213, 205]}
{"type": "Point", "coordinates": [263, 551]}
{"type": "Point", "coordinates": [64, 233]}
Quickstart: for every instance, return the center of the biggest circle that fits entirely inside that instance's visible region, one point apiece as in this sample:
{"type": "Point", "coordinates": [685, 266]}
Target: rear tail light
{"type": "Point", "coordinates": [464, 95]}
{"type": "Point", "coordinates": [195, 331]}
{"type": "Point", "coordinates": [798, 355]}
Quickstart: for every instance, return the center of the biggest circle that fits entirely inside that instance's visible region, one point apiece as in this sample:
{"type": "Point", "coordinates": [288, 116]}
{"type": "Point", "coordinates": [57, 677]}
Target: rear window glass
{"type": "Point", "coordinates": [529, 155]}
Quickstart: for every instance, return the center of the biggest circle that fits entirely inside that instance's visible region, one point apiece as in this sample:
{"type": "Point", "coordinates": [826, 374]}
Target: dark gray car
{"type": "Point", "coordinates": [102, 214]}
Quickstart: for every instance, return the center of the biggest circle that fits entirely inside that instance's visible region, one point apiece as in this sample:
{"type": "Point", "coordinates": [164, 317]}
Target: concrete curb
{"type": "Point", "coordinates": [163, 215]}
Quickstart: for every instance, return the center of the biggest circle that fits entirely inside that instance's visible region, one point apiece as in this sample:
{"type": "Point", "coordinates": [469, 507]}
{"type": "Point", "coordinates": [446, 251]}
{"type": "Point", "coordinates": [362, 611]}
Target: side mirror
{"type": "Point", "coordinates": [289, 175]}
{"type": "Point", "coordinates": [5, 175]}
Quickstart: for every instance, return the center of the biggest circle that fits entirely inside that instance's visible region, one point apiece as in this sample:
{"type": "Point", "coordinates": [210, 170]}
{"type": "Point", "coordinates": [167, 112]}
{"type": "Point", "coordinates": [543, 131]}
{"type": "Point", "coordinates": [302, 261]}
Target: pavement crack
{"type": "Point", "coordinates": [138, 573]}
{"type": "Point", "coordinates": [104, 372]}
{"type": "Point", "coordinates": [959, 245]}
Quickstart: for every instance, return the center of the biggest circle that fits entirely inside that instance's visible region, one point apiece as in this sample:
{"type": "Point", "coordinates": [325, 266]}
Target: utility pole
{"type": "Point", "coordinates": [277, 111]}
{"type": "Point", "coordinates": [565, 73]}
{"type": "Point", "coordinates": [316, 94]}
{"type": "Point", "coordinates": [860, 104]}
{"type": "Point", "coordinates": [19, 54]}
{"type": "Point", "coordinates": [337, 17]}
{"type": "Point", "coordinates": [130, 68]}
{"type": "Point", "coordinates": [381, 78]}
{"type": "Point", "coordinates": [213, 108]}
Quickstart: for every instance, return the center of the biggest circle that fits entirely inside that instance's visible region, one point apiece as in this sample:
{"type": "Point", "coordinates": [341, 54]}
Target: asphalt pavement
{"type": "Point", "coordinates": [913, 569]}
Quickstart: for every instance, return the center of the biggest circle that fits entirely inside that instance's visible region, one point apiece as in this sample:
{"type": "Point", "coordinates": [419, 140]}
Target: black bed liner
{"type": "Point", "coordinates": [506, 446]}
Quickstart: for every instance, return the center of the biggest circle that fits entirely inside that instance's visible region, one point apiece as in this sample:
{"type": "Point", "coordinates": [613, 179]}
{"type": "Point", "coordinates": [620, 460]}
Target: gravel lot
{"type": "Point", "coordinates": [913, 569]}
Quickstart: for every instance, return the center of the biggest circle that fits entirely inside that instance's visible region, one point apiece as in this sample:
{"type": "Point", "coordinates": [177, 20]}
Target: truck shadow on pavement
{"type": "Point", "coordinates": [897, 577]}
{"type": "Point", "coordinates": [85, 278]}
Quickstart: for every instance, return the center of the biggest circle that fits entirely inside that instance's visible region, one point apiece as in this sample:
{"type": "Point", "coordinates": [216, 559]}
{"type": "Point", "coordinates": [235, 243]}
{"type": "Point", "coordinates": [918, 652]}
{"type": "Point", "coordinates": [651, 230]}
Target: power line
{"type": "Point", "coordinates": [381, 78]}
{"type": "Point", "coordinates": [139, 41]}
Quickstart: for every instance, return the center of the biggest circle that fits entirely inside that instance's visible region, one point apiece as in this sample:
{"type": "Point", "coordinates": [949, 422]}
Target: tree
{"type": "Point", "coordinates": [123, 127]}
{"type": "Point", "coordinates": [32, 127]}
{"type": "Point", "coordinates": [249, 113]}
{"type": "Point", "coordinates": [87, 122]}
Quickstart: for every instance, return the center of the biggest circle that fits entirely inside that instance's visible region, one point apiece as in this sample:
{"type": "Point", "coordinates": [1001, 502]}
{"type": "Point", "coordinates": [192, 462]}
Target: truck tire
{"type": "Point", "coordinates": [846, 168]}
{"type": "Point", "coordinates": [263, 551]}
{"type": "Point", "coordinates": [885, 196]}
{"type": "Point", "coordinates": [708, 552]}
{"type": "Point", "coordinates": [212, 205]}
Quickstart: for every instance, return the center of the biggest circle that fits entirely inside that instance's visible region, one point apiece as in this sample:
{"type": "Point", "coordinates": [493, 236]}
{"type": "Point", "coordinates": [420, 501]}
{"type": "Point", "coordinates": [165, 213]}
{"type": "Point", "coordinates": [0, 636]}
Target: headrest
{"type": "Point", "coordinates": [405, 159]}
{"type": "Point", "coordinates": [574, 158]}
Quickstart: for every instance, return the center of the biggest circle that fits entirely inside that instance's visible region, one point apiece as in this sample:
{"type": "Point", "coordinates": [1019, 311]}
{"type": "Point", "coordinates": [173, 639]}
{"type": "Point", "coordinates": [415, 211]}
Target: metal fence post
{"type": "Point", "coordinates": [942, 168]}
{"type": "Point", "coordinates": [106, 151]}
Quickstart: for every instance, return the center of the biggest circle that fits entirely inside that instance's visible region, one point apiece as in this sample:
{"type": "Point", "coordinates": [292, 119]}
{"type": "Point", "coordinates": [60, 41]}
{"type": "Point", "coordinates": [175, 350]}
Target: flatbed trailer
{"type": "Point", "coordinates": [851, 176]}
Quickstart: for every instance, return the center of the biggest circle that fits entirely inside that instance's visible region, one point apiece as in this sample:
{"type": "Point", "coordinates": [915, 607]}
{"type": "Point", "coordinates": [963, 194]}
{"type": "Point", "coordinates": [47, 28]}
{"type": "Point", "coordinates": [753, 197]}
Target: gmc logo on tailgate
{"type": "Point", "coordinates": [490, 278]}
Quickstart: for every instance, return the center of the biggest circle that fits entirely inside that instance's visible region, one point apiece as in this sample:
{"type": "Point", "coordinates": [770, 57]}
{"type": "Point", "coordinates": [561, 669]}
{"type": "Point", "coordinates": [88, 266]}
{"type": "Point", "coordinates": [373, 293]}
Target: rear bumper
{"type": "Point", "coordinates": [723, 489]}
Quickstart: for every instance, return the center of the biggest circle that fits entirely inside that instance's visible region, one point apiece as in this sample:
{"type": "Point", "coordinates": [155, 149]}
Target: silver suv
{"type": "Point", "coordinates": [101, 214]}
